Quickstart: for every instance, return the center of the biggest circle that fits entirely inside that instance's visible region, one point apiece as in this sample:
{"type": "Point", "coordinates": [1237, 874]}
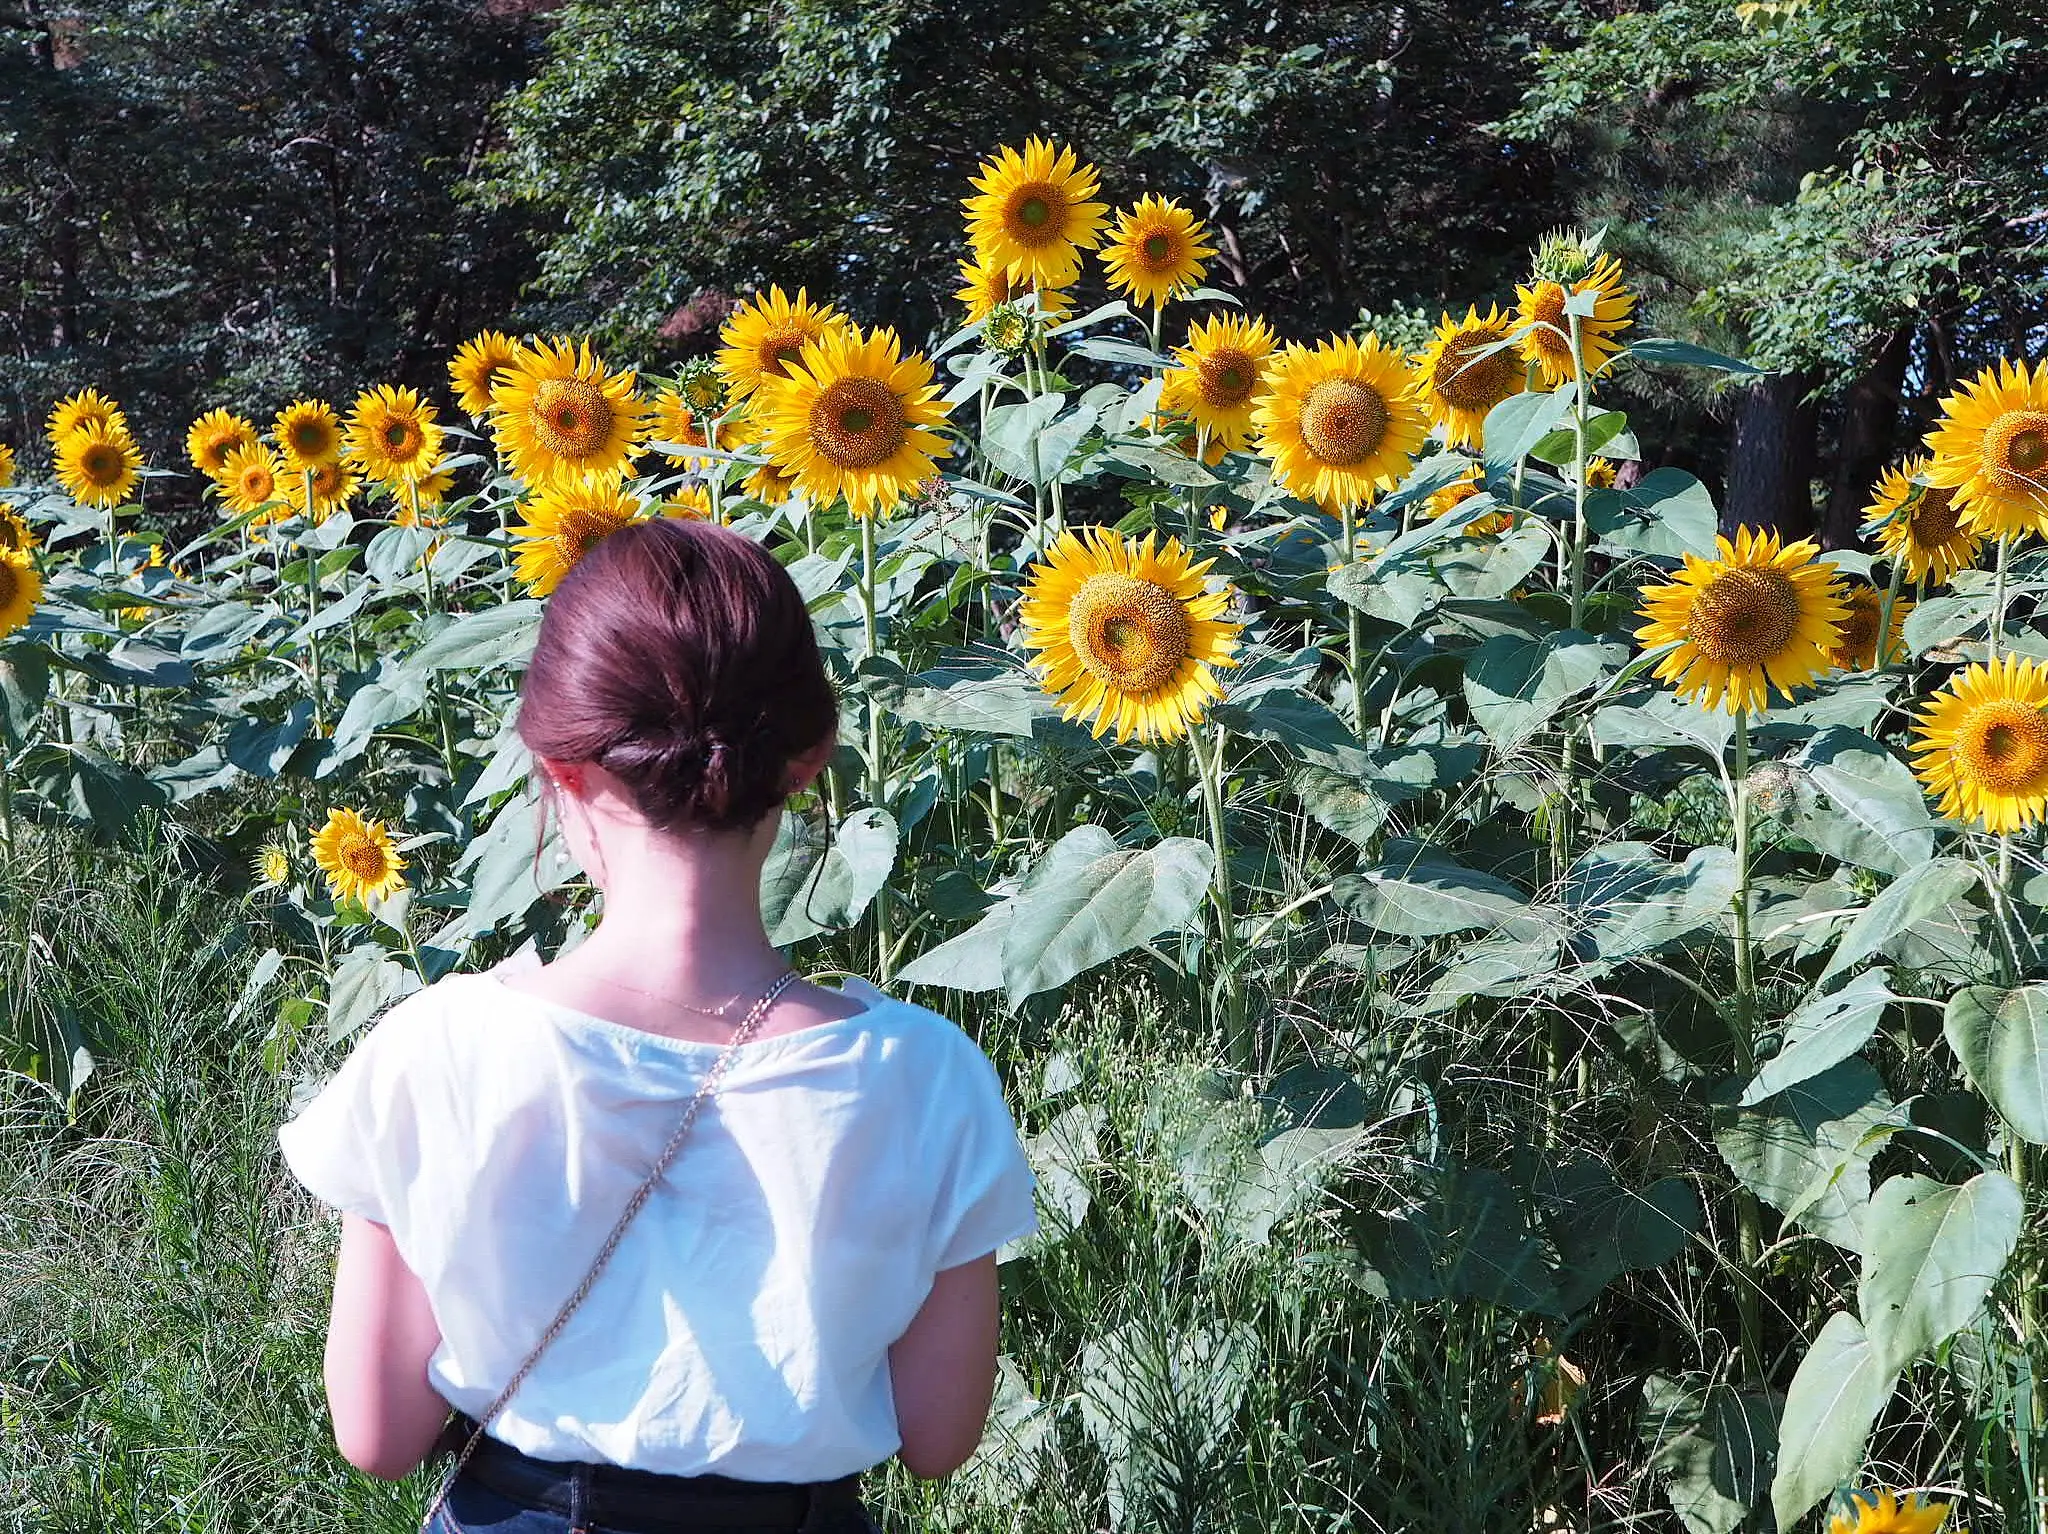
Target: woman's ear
{"type": "Point", "coordinates": [567, 777]}
{"type": "Point", "coordinates": [804, 768]}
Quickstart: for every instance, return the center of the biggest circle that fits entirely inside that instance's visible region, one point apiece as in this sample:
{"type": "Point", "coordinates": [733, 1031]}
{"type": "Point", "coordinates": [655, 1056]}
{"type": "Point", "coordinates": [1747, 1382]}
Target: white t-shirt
{"type": "Point", "coordinates": [742, 1325]}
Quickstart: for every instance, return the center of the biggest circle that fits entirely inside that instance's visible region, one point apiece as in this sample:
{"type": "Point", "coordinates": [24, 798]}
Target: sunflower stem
{"type": "Point", "coordinates": [1158, 324]}
{"type": "Point", "coordinates": [312, 613]}
{"type": "Point", "coordinates": [1748, 1213]}
{"type": "Point", "coordinates": [878, 772]}
{"type": "Point", "coordinates": [1998, 595]}
{"type": "Point", "coordinates": [440, 703]}
{"type": "Point", "coordinates": [6, 791]}
{"type": "Point", "coordinates": [1354, 628]}
{"type": "Point", "coordinates": [1884, 614]}
{"type": "Point", "coordinates": [1209, 767]}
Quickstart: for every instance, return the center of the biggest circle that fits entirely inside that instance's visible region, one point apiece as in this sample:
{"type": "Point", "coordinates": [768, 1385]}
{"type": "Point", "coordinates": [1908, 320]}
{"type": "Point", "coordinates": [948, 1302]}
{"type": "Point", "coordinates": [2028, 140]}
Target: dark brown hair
{"type": "Point", "coordinates": [679, 657]}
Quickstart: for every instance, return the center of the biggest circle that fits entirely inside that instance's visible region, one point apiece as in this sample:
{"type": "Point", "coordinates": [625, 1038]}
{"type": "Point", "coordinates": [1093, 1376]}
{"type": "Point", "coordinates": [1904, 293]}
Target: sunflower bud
{"type": "Point", "coordinates": [702, 387]}
{"type": "Point", "coordinates": [1565, 256]}
{"type": "Point", "coordinates": [1011, 330]}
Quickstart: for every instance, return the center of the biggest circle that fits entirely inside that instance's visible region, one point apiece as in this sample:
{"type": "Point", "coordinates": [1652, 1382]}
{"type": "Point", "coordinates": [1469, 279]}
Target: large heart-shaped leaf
{"type": "Point", "coordinates": [2001, 1036]}
{"type": "Point", "coordinates": [1841, 1386]}
{"type": "Point", "coordinates": [1934, 1251]}
{"type": "Point", "coordinates": [1108, 907]}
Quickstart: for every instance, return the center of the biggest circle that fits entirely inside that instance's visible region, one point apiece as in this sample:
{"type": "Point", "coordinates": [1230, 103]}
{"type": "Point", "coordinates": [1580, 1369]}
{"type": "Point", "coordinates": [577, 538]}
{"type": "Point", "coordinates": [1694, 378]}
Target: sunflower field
{"type": "Point", "coordinates": [1527, 1007]}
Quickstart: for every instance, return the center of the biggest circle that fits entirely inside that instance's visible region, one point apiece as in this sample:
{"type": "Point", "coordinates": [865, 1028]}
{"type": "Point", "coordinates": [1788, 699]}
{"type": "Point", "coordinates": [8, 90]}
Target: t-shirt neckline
{"type": "Point", "coordinates": [874, 997]}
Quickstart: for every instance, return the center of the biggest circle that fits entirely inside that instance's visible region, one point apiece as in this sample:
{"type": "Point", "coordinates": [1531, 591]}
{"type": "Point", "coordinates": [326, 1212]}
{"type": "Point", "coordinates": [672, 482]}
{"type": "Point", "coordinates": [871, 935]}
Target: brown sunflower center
{"type": "Point", "coordinates": [1858, 630]}
{"type": "Point", "coordinates": [579, 530]}
{"type": "Point", "coordinates": [2016, 451]}
{"type": "Point", "coordinates": [1553, 331]}
{"type": "Point", "coordinates": [2005, 744]}
{"type": "Point", "coordinates": [403, 438]}
{"type": "Point", "coordinates": [1934, 520]}
{"type": "Point", "coordinates": [1160, 250]}
{"type": "Point", "coordinates": [1037, 214]}
{"type": "Point", "coordinates": [363, 857]}
{"type": "Point", "coordinates": [857, 423]}
{"type": "Point", "coordinates": [779, 348]}
{"type": "Point", "coordinates": [10, 585]}
{"type": "Point", "coordinates": [1227, 376]}
{"type": "Point", "coordinates": [215, 453]}
{"type": "Point", "coordinates": [102, 464]}
{"type": "Point", "coordinates": [1342, 421]}
{"type": "Point", "coordinates": [572, 418]}
{"type": "Point", "coordinates": [310, 439]}
{"type": "Point", "coordinates": [1745, 616]}
{"type": "Point", "coordinates": [1470, 382]}
{"type": "Point", "coordinates": [1129, 633]}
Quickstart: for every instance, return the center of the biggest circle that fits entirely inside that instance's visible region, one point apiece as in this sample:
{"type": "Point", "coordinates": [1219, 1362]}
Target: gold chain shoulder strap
{"type": "Point", "coordinates": [640, 1196]}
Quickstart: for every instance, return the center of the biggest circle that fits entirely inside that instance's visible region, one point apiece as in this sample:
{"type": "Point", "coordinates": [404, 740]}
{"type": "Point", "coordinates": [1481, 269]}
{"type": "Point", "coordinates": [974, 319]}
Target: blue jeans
{"type": "Point", "coordinates": [474, 1509]}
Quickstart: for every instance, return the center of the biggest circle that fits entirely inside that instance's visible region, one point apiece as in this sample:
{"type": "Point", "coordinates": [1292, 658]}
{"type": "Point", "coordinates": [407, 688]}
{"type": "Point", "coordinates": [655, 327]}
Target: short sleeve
{"type": "Point", "coordinates": [356, 1143]}
{"type": "Point", "coordinates": [987, 1196]}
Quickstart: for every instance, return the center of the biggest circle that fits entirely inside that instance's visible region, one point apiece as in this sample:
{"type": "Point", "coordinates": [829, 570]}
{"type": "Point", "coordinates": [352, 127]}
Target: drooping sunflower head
{"type": "Point", "coordinates": [1155, 250]}
{"type": "Point", "coordinates": [1218, 377]}
{"type": "Point", "coordinates": [1126, 635]}
{"type": "Point", "coordinates": [562, 414]}
{"type": "Point", "coordinates": [98, 465]}
{"type": "Point", "coordinates": [1856, 650]}
{"type": "Point", "coordinates": [334, 485]}
{"type": "Point", "coordinates": [474, 368]}
{"type": "Point", "coordinates": [1879, 1512]}
{"type": "Point", "coordinates": [393, 434]}
{"type": "Point", "coordinates": [357, 856]}
{"type": "Point", "coordinates": [1759, 616]}
{"type": "Point", "coordinates": [1442, 503]}
{"type": "Point", "coordinates": [1600, 474]}
{"type": "Point", "coordinates": [15, 533]}
{"type": "Point", "coordinates": [249, 479]}
{"type": "Point", "coordinates": [1340, 422]}
{"type": "Point", "coordinates": [21, 587]}
{"type": "Point", "coordinates": [1920, 526]}
{"type": "Point", "coordinates": [1547, 340]}
{"type": "Point", "coordinates": [854, 417]}
{"type": "Point", "coordinates": [1991, 447]}
{"type": "Point", "coordinates": [6, 465]}
{"type": "Point", "coordinates": [984, 287]}
{"type": "Point", "coordinates": [564, 520]}
{"type": "Point", "coordinates": [1469, 366]}
{"type": "Point", "coordinates": [83, 411]}
{"type": "Point", "coordinates": [1981, 744]}
{"type": "Point", "coordinates": [1034, 213]}
{"type": "Point", "coordinates": [215, 435]}
{"type": "Point", "coordinates": [766, 335]}
{"type": "Point", "coordinates": [307, 433]}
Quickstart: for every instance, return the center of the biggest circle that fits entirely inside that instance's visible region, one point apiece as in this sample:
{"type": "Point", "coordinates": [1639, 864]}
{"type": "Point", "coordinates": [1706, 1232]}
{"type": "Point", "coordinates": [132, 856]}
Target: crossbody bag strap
{"type": "Point", "coordinates": [640, 1196]}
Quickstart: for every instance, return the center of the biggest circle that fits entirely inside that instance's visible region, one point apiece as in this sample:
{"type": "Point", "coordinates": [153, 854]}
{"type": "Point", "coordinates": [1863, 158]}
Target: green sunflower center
{"type": "Point", "coordinates": [1129, 633]}
{"type": "Point", "coordinates": [572, 417]}
{"type": "Point", "coordinates": [1037, 214]}
{"type": "Point", "coordinates": [310, 439]}
{"type": "Point", "coordinates": [1227, 377]}
{"type": "Point", "coordinates": [857, 423]}
{"type": "Point", "coordinates": [1343, 421]}
{"type": "Point", "coordinates": [2004, 747]}
{"type": "Point", "coordinates": [1745, 616]}
{"type": "Point", "coordinates": [1467, 381]}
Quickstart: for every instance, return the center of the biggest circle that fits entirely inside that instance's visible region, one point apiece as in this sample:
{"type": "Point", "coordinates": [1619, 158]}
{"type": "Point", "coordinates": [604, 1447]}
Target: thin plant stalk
{"type": "Point", "coordinates": [1998, 595]}
{"type": "Point", "coordinates": [1748, 1214]}
{"type": "Point", "coordinates": [434, 696]}
{"type": "Point", "coordinates": [1884, 614]}
{"type": "Point", "coordinates": [1354, 627]}
{"type": "Point", "coordinates": [6, 791]}
{"type": "Point", "coordinates": [1209, 769]}
{"type": "Point", "coordinates": [312, 613]}
{"type": "Point", "coordinates": [878, 770]}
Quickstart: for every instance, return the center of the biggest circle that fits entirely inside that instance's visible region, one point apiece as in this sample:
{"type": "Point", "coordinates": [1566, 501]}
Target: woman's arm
{"type": "Point", "coordinates": [379, 1338]}
{"type": "Point", "coordinates": [943, 1369]}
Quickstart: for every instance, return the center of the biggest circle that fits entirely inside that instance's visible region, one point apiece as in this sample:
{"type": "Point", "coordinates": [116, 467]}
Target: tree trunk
{"type": "Point", "coordinates": [1770, 466]}
{"type": "Point", "coordinates": [1870, 424]}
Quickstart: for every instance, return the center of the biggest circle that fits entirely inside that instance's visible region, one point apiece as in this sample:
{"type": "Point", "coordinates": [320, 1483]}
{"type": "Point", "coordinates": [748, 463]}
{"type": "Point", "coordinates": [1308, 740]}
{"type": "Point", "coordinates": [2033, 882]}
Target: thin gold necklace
{"type": "Point", "coordinates": [719, 1011]}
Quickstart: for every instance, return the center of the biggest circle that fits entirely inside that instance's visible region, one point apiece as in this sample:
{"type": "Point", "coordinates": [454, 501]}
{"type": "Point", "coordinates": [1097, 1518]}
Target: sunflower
{"type": "Point", "coordinates": [1600, 474]}
{"type": "Point", "coordinates": [853, 418]}
{"type": "Point", "coordinates": [765, 336]}
{"type": "Point", "coordinates": [1757, 613]}
{"type": "Point", "coordinates": [393, 435]}
{"type": "Point", "coordinates": [249, 478]}
{"type": "Point", "coordinates": [1921, 526]}
{"type": "Point", "coordinates": [1991, 447]}
{"type": "Point", "coordinates": [334, 486]}
{"type": "Point", "coordinates": [770, 484]}
{"type": "Point", "coordinates": [6, 465]}
{"type": "Point", "coordinates": [1156, 250]}
{"type": "Point", "coordinates": [15, 533]}
{"type": "Point", "coordinates": [1468, 367]}
{"type": "Point", "coordinates": [81, 411]}
{"type": "Point", "coordinates": [1125, 635]}
{"type": "Point", "coordinates": [21, 587]}
{"type": "Point", "coordinates": [430, 490]}
{"type": "Point", "coordinates": [690, 502]}
{"type": "Point", "coordinates": [985, 288]}
{"type": "Point", "coordinates": [562, 414]}
{"type": "Point", "coordinates": [1033, 214]}
{"type": "Point", "coordinates": [1443, 502]}
{"type": "Point", "coordinates": [1548, 342]}
{"type": "Point", "coordinates": [675, 422]}
{"type": "Point", "coordinates": [1218, 377]}
{"type": "Point", "coordinates": [307, 433]}
{"type": "Point", "coordinates": [215, 435]}
{"type": "Point", "coordinates": [1856, 650]}
{"type": "Point", "coordinates": [98, 465]}
{"type": "Point", "coordinates": [357, 857]}
{"type": "Point", "coordinates": [1340, 421]}
{"type": "Point", "coordinates": [1881, 1513]}
{"type": "Point", "coordinates": [473, 369]}
{"type": "Point", "coordinates": [562, 522]}
{"type": "Point", "coordinates": [272, 865]}
{"type": "Point", "coordinates": [1983, 744]}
